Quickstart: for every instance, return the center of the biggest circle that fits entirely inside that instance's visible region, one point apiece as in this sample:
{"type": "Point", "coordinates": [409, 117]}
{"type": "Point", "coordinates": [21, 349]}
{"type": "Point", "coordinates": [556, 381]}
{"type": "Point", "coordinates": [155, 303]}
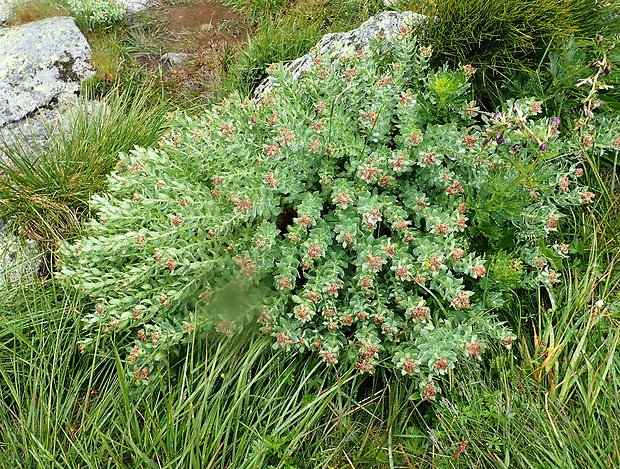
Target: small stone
{"type": "Point", "coordinates": [172, 59]}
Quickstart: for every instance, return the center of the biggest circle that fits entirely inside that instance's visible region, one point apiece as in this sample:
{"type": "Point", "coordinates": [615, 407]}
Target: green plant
{"type": "Point", "coordinates": [363, 235]}
{"type": "Point", "coordinates": [287, 30]}
{"type": "Point", "coordinates": [71, 410]}
{"type": "Point", "coordinates": [574, 82]}
{"type": "Point", "coordinates": [45, 190]}
{"type": "Point", "coordinates": [232, 403]}
{"type": "Point", "coordinates": [573, 348]}
{"type": "Point", "coordinates": [107, 55]}
{"type": "Point", "coordinates": [499, 417]}
{"type": "Point", "coordinates": [97, 15]}
{"type": "Point", "coordinates": [501, 37]}
{"type": "Point", "coordinates": [259, 10]}
{"type": "Point", "coordinates": [282, 41]}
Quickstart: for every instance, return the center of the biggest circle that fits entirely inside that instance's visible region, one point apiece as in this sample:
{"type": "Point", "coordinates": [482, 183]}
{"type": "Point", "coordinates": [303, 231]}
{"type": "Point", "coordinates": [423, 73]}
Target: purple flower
{"type": "Point", "coordinates": [607, 70]}
{"type": "Point", "coordinates": [555, 122]}
{"type": "Point", "coordinates": [586, 112]}
{"type": "Point", "coordinates": [543, 147]}
{"type": "Point", "coordinates": [500, 138]}
{"type": "Point", "coordinates": [594, 64]}
{"type": "Point", "coordinates": [600, 39]}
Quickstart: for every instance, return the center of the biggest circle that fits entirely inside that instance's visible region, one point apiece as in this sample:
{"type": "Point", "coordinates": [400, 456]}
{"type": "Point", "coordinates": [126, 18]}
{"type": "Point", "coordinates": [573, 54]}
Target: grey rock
{"type": "Point", "coordinates": [40, 63]}
{"type": "Point", "coordinates": [136, 6]}
{"type": "Point", "coordinates": [6, 8]}
{"type": "Point", "coordinates": [336, 45]}
{"type": "Point", "coordinates": [172, 59]}
{"type": "Point", "coordinates": [31, 134]}
{"type": "Point", "coordinates": [20, 259]}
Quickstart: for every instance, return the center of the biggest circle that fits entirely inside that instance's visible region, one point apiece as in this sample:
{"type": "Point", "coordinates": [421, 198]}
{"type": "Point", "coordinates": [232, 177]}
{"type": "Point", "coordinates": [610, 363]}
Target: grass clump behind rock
{"type": "Point", "coordinates": [35, 11]}
{"type": "Point", "coordinates": [285, 31]}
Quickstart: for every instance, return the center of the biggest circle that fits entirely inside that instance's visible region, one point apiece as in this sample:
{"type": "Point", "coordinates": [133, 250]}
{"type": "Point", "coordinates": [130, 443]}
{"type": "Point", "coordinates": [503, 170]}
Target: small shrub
{"type": "Point", "coordinates": [369, 214]}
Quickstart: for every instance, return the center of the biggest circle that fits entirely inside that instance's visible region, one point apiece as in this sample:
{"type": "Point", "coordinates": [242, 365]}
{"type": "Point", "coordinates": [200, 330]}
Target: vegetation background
{"type": "Point", "coordinates": [552, 401]}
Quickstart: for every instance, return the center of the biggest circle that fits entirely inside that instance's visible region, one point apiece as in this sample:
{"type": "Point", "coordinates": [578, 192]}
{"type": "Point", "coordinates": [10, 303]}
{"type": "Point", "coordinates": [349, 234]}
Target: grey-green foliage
{"type": "Point", "coordinates": [97, 15]}
{"type": "Point", "coordinates": [355, 212]}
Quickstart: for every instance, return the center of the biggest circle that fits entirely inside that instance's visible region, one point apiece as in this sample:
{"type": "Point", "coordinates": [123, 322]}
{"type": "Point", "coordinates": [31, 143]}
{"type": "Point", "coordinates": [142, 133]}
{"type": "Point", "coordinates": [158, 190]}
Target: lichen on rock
{"type": "Point", "coordinates": [39, 63]}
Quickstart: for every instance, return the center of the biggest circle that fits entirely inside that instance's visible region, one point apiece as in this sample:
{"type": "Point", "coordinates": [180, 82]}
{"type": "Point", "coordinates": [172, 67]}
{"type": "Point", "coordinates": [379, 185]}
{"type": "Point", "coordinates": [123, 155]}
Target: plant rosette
{"type": "Point", "coordinates": [368, 213]}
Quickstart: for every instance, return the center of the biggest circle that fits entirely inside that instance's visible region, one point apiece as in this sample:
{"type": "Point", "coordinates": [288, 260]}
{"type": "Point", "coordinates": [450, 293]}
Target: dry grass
{"type": "Point", "coordinates": [35, 11]}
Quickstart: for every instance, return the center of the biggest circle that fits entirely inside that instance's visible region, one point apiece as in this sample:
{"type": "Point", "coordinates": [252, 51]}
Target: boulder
{"type": "Point", "coordinates": [41, 66]}
{"type": "Point", "coordinates": [172, 59]}
{"type": "Point", "coordinates": [40, 62]}
{"type": "Point", "coordinates": [336, 45]}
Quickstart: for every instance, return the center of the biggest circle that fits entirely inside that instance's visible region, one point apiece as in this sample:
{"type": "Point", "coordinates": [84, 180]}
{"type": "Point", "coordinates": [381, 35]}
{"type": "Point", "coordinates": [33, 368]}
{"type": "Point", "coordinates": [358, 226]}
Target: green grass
{"type": "Point", "coordinates": [285, 31]}
{"type": "Point", "coordinates": [508, 421]}
{"type": "Point", "coordinates": [502, 38]}
{"type": "Point", "coordinates": [226, 403]}
{"type": "Point", "coordinates": [47, 195]}
{"type": "Point", "coordinates": [36, 10]}
{"type": "Point", "coordinates": [553, 402]}
{"type": "Point", "coordinates": [283, 41]}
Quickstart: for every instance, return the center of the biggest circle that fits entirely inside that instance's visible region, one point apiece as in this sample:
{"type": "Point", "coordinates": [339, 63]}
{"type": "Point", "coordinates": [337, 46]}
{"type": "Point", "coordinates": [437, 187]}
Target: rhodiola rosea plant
{"type": "Point", "coordinates": [368, 213]}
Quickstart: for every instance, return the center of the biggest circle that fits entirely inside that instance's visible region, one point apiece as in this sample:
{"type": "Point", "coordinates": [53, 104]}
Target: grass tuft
{"type": "Point", "coordinates": [504, 37]}
{"type": "Point", "coordinates": [46, 190]}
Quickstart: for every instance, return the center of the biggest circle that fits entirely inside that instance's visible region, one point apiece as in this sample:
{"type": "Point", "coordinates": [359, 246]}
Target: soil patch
{"type": "Point", "coordinates": [204, 23]}
{"type": "Point", "coordinates": [207, 32]}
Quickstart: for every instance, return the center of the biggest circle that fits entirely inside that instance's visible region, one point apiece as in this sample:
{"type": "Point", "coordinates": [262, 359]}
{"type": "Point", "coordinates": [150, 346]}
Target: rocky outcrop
{"type": "Point", "coordinates": [40, 62]}
{"type": "Point", "coordinates": [336, 45]}
{"type": "Point", "coordinates": [136, 6]}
